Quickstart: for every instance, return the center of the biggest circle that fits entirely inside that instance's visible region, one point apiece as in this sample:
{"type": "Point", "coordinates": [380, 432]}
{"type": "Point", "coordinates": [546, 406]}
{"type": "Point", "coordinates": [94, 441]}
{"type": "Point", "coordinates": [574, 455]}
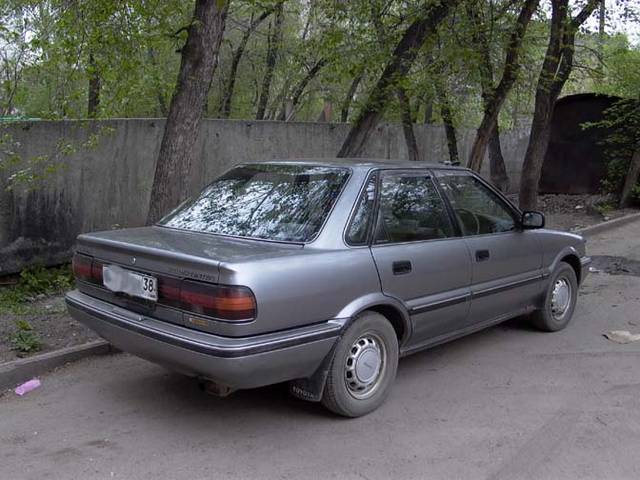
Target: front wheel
{"type": "Point", "coordinates": [363, 367]}
{"type": "Point", "coordinates": [559, 302]}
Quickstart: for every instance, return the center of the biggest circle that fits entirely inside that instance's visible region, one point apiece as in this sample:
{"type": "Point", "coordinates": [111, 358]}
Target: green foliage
{"type": "Point", "coordinates": [35, 282]}
{"type": "Point", "coordinates": [133, 47]}
{"type": "Point", "coordinates": [622, 120]}
{"type": "Point", "coordinates": [45, 281]}
{"type": "Point", "coordinates": [605, 207]}
{"type": "Point", "coordinates": [25, 340]}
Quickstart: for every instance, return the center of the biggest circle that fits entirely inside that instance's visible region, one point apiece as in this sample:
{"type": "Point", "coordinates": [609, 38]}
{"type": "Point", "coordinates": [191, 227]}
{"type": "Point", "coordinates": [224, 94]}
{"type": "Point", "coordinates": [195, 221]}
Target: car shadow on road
{"type": "Point", "coordinates": [160, 393]}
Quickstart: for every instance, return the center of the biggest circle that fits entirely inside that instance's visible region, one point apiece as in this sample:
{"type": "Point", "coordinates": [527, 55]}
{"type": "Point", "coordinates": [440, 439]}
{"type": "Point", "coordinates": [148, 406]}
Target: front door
{"type": "Point", "coordinates": [420, 258]}
{"type": "Point", "coordinates": [506, 260]}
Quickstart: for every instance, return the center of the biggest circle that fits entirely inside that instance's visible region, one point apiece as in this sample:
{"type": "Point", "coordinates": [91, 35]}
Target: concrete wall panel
{"type": "Point", "coordinates": [106, 184]}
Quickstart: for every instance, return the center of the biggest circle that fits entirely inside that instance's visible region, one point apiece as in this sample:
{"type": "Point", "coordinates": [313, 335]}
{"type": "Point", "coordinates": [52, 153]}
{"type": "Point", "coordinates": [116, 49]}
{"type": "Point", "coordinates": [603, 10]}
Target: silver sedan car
{"type": "Point", "coordinates": [323, 274]}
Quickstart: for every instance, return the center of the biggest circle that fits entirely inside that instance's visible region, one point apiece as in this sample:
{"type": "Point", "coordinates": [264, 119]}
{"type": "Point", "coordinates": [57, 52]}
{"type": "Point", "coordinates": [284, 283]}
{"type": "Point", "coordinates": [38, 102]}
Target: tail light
{"type": "Point", "coordinates": [224, 302]}
{"type": "Point", "coordinates": [169, 291]}
{"type": "Point", "coordinates": [234, 303]}
{"type": "Point", "coordinates": [87, 269]}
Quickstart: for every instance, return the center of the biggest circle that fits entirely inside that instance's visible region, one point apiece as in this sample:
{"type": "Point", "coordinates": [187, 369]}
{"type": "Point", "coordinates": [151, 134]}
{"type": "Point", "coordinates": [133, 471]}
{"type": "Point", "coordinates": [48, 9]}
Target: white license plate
{"type": "Point", "coordinates": [117, 279]}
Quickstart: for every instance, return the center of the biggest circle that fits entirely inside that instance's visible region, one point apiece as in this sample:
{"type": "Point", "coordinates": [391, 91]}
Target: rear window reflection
{"type": "Point", "coordinates": [267, 201]}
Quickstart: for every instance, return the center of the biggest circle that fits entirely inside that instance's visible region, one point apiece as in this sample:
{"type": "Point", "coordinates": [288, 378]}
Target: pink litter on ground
{"type": "Point", "coordinates": [26, 387]}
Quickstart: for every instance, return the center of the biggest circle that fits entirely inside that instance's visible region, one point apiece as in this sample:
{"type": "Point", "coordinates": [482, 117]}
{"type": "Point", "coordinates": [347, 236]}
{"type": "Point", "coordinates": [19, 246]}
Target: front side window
{"type": "Point", "coordinates": [266, 201]}
{"type": "Point", "coordinates": [478, 209]}
{"type": "Point", "coordinates": [410, 209]}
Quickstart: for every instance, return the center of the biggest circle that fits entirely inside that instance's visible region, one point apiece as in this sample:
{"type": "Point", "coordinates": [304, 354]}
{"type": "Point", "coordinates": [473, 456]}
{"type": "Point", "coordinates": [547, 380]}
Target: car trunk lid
{"type": "Point", "coordinates": [176, 253]}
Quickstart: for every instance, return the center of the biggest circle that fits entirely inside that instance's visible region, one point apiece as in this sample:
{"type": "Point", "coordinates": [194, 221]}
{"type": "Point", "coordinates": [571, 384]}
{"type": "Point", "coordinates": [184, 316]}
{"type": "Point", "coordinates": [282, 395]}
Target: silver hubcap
{"type": "Point", "coordinates": [560, 298]}
{"type": "Point", "coordinates": [365, 365]}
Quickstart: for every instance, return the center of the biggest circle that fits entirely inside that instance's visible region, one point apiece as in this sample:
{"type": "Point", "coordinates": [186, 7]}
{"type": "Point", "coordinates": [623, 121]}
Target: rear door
{"type": "Point", "coordinates": [506, 260]}
{"type": "Point", "coordinates": [419, 256]}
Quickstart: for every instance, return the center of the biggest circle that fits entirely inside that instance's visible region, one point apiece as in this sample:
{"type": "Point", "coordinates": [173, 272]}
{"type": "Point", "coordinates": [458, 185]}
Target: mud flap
{"type": "Point", "coordinates": [310, 389]}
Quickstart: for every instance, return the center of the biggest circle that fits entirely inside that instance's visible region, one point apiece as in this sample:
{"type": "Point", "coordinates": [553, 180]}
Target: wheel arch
{"type": "Point", "coordinates": [389, 307]}
{"type": "Point", "coordinates": [395, 317]}
{"type": "Point", "coordinates": [574, 261]}
{"type": "Point", "coordinates": [570, 256]}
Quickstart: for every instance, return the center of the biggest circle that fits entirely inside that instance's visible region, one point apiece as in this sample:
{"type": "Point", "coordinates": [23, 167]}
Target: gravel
{"type": "Point", "coordinates": [573, 212]}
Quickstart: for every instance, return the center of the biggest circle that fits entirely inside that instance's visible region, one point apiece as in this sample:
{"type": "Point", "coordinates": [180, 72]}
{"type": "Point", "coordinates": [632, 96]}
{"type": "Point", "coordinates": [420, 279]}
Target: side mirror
{"type": "Point", "coordinates": [532, 220]}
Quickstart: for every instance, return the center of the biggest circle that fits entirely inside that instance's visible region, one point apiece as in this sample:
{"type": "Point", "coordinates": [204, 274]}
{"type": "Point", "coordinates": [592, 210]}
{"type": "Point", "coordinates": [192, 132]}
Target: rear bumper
{"type": "Point", "coordinates": [245, 362]}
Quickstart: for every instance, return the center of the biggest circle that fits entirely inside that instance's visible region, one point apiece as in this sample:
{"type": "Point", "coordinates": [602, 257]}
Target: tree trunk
{"type": "Point", "coordinates": [407, 125]}
{"type": "Point", "coordinates": [275, 40]}
{"type": "Point", "coordinates": [299, 90]}
{"type": "Point", "coordinates": [495, 98]}
{"type": "Point", "coordinates": [397, 67]}
{"type": "Point", "coordinates": [602, 19]}
{"type": "Point", "coordinates": [497, 168]}
{"type": "Point", "coordinates": [633, 175]}
{"type": "Point", "coordinates": [449, 127]}
{"type": "Point", "coordinates": [555, 71]}
{"type": "Point", "coordinates": [428, 111]}
{"type": "Point", "coordinates": [346, 105]}
{"type": "Point", "coordinates": [536, 151]}
{"type": "Point", "coordinates": [327, 113]}
{"type": "Point", "coordinates": [224, 109]}
{"type": "Point", "coordinates": [198, 63]}
{"type": "Point", "coordinates": [93, 102]}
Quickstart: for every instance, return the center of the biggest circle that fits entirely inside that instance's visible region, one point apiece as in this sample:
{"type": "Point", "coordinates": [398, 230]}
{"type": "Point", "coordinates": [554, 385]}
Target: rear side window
{"type": "Point", "coordinates": [361, 223]}
{"type": "Point", "coordinates": [269, 201]}
{"type": "Point", "coordinates": [411, 209]}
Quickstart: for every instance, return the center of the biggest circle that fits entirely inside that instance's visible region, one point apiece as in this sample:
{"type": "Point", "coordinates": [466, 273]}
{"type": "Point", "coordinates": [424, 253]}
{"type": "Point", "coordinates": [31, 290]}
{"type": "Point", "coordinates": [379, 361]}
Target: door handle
{"type": "Point", "coordinates": [482, 255]}
{"type": "Point", "coordinates": [401, 267]}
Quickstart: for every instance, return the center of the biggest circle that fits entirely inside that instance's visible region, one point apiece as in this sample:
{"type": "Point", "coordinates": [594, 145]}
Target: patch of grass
{"type": "Point", "coordinates": [605, 208]}
{"type": "Point", "coordinates": [25, 340]}
{"type": "Point", "coordinates": [34, 283]}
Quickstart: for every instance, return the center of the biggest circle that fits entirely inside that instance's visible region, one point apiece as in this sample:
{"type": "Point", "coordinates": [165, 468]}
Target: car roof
{"type": "Point", "coordinates": [362, 163]}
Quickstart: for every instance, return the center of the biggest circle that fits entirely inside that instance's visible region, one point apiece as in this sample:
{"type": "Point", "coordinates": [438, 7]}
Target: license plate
{"type": "Point", "coordinates": [117, 279]}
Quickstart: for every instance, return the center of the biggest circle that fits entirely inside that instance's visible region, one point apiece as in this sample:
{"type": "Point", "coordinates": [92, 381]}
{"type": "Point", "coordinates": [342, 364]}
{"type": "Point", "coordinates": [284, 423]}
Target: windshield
{"type": "Point", "coordinates": [275, 202]}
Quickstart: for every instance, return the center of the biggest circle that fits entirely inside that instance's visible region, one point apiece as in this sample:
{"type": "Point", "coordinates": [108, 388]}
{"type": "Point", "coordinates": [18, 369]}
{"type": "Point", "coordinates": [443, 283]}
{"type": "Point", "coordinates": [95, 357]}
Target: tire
{"type": "Point", "coordinates": [363, 368]}
{"type": "Point", "coordinates": [559, 300]}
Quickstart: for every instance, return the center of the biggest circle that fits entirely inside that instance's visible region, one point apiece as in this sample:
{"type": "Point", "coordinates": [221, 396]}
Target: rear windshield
{"type": "Point", "coordinates": [275, 202]}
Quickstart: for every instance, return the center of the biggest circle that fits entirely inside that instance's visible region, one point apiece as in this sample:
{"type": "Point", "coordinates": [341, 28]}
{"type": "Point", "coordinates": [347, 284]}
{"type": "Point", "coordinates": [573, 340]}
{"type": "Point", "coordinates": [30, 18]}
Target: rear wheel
{"type": "Point", "coordinates": [363, 367]}
{"type": "Point", "coordinates": [559, 302]}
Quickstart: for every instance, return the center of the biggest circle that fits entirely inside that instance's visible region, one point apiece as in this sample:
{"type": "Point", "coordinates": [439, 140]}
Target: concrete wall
{"type": "Point", "coordinates": [107, 184]}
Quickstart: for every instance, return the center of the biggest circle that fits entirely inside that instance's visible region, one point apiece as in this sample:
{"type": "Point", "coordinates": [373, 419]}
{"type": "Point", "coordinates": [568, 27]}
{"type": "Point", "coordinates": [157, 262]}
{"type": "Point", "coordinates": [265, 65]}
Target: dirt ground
{"type": "Point", "coordinates": [573, 212]}
{"type": "Point", "coordinates": [57, 330]}
{"type": "Point", "coordinates": [50, 321]}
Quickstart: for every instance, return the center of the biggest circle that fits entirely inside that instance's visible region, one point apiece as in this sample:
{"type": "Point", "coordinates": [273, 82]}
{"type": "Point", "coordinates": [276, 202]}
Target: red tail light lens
{"type": "Point", "coordinates": [169, 291]}
{"type": "Point", "coordinates": [232, 303]}
{"type": "Point", "coordinates": [235, 303]}
{"type": "Point", "coordinates": [96, 271]}
{"type": "Point", "coordinates": [87, 269]}
{"type": "Point", "coordinates": [81, 265]}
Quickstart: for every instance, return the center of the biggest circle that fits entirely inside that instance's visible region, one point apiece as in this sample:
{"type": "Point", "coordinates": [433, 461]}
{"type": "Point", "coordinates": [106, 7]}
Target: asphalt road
{"type": "Point", "coordinates": [507, 403]}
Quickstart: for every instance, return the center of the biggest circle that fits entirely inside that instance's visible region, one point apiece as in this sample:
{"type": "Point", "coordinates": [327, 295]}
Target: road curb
{"type": "Point", "coordinates": [18, 371]}
{"type": "Point", "coordinates": [608, 225]}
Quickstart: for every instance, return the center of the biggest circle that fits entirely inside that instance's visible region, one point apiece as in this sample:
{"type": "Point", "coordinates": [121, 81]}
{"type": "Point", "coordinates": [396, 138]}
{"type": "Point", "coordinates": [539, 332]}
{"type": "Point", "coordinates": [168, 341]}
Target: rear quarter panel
{"type": "Point", "coordinates": [314, 286]}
